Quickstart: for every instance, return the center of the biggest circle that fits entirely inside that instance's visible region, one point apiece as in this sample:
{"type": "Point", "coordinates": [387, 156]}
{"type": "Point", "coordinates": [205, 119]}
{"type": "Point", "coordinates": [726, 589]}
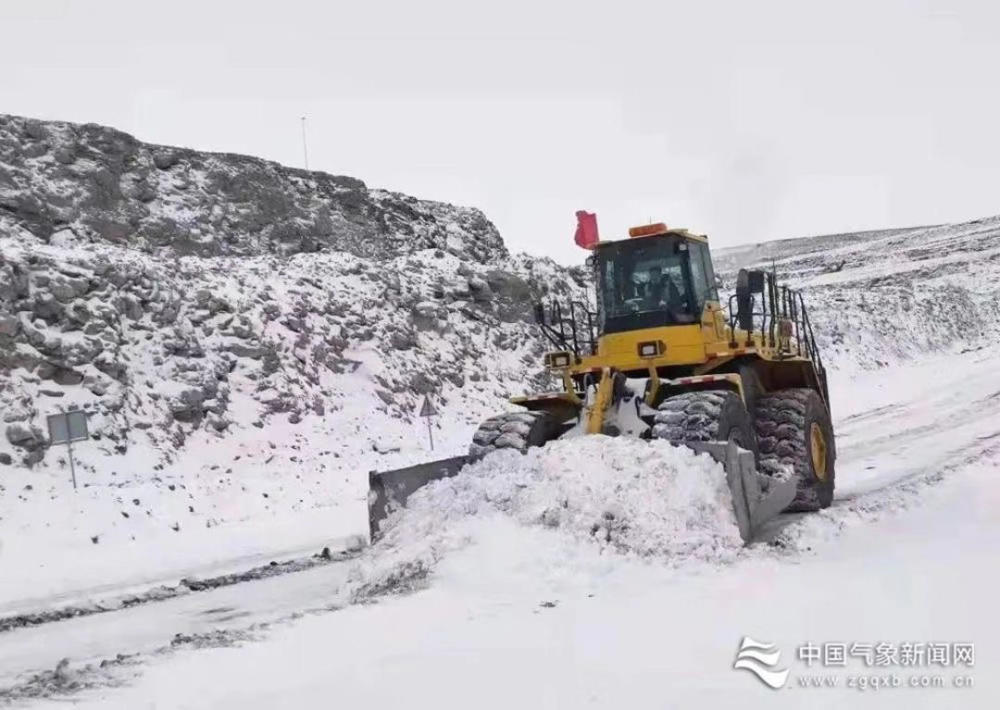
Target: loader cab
{"type": "Point", "coordinates": [658, 277]}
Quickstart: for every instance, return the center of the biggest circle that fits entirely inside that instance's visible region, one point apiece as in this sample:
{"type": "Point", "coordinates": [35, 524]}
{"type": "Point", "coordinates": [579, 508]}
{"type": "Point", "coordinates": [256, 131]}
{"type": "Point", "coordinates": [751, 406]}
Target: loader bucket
{"type": "Point", "coordinates": [757, 497]}
{"type": "Point", "coordinates": [389, 490]}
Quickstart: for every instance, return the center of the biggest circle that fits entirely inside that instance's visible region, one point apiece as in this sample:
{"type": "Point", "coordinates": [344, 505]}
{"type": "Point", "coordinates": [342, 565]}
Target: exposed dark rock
{"type": "Point", "coordinates": [265, 207]}
{"type": "Point", "coordinates": [25, 436]}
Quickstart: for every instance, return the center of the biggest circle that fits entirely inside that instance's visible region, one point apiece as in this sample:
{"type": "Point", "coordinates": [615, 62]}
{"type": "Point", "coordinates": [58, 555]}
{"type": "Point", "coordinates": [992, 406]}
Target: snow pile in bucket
{"type": "Point", "coordinates": [622, 495]}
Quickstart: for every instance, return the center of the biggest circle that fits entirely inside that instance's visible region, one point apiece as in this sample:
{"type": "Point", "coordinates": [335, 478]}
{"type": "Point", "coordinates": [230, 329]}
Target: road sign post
{"type": "Point", "coordinates": [427, 411]}
{"type": "Point", "coordinates": [65, 428]}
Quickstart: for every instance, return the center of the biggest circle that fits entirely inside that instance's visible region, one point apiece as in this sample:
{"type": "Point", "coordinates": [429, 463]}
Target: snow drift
{"type": "Point", "coordinates": [621, 496]}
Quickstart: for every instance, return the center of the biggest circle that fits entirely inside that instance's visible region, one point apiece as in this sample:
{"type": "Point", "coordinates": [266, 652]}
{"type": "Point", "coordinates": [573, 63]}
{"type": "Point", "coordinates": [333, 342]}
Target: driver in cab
{"type": "Point", "coordinates": [660, 290]}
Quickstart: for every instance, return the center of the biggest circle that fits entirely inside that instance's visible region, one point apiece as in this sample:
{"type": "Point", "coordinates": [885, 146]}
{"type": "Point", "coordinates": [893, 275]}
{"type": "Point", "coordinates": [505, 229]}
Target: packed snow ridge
{"type": "Point", "coordinates": [636, 498]}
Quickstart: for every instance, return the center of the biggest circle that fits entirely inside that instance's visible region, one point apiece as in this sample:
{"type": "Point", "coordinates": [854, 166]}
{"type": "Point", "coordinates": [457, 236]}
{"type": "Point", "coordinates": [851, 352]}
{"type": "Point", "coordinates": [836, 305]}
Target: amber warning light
{"type": "Point", "coordinates": [648, 230]}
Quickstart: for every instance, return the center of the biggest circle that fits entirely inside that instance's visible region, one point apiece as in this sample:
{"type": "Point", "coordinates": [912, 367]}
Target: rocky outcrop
{"type": "Point", "coordinates": [155, 347]}
{"type": "Point", "coordinates": [167, 292]}
{"type": "Point", "coordinates": [64, 181]}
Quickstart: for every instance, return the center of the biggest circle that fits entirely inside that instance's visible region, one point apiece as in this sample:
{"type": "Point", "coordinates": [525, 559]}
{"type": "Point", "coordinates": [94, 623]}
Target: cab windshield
{"type": "Point", "coordinates": [647, 283]}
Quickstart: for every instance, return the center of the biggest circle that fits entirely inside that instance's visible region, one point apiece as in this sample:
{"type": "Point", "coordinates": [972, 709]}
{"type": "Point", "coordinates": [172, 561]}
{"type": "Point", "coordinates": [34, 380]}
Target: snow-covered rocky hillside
{"type": "Point", "coordinates": [249, 334]}
{"type": "Point", "coordinates": [104, 185]}
{"type": "Point", "coordinates": [881, 297]}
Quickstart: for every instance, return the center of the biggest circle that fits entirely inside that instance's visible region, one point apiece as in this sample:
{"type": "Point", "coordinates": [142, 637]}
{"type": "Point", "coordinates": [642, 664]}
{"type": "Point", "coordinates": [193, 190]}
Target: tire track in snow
{"type": "Point", "coordinates": [164, 592]}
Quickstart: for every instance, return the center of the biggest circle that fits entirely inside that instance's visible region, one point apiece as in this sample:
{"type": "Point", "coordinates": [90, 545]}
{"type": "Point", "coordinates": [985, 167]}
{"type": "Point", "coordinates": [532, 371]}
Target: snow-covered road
{"type": "Point", "coordinates": [148, 627]}
{"type": "Point", "coordinates": [906, 422]}
{"type": "Point", "coordinates": [520, 618]}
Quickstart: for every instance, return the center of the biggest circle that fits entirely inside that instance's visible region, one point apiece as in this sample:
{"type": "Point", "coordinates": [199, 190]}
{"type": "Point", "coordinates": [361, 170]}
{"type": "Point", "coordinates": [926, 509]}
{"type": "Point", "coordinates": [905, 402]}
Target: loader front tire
{"type": "Point", "coordinates": [705, 415]}
{"type": "Point", "coordinates": [513, 430]}
{"type": "Point", "coordinates": [794, 430]}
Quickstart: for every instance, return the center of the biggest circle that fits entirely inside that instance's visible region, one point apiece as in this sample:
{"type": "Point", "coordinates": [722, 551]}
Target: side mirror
{"type": "Point", "coordinates": [744, 299]}
{"type": "Point", "coordinates": [756, 281]}
{"type": "Point", "coordinates": [540, 313]}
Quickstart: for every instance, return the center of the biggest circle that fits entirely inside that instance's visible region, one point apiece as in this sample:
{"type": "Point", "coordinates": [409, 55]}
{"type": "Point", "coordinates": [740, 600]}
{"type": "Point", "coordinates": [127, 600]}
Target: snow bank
{"type": "Point", "coordinates": [624, 496]}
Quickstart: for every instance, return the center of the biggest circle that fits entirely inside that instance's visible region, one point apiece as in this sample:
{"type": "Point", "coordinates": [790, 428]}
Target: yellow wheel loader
{"type": "Point", "coordinates": [661, 358]}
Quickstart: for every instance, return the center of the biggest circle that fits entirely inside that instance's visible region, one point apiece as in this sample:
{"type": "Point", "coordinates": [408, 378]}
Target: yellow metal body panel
{"type": "Point", "coordinates": [706, 344]}
{"type": "Point", "coordinates": [654, 385]}
{"type": "Point", "coordinates": [602, 399]}
{"type": "Point", "coordinates": [682, 344]}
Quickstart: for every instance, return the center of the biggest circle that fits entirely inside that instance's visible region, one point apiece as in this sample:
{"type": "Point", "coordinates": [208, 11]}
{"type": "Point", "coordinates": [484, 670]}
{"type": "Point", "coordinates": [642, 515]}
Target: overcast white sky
{"type": "Point", "coordinates": [746, 120]}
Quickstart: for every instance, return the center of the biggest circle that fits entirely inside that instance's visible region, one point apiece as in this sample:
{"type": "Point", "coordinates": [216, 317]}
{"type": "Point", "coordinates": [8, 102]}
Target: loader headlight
{"type": "Point", "coordinates": [558, 360]}
{"type": "Point", "coordinates": [651, 348]}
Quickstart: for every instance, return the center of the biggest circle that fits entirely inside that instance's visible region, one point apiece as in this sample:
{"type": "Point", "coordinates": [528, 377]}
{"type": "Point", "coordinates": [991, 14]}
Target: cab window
{"type": "Point", "coordinates": [702, 273]}
{"type": "Point", "coordinates": [645, 283]}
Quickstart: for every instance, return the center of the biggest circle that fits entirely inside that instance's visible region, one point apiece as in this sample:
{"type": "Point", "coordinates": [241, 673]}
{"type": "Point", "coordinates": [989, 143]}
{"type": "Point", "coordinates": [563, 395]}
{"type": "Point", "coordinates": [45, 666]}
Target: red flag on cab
{"type": "Point", "coordinates": [586, 229]}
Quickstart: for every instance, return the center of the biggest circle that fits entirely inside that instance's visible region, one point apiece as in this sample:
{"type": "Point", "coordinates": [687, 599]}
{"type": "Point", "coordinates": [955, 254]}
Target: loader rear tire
{"type": "Point", "coordinates": [513, 430]}
{"type": "Point", "coordinates": [794, 430]}
{"type": "Point", "coordinates": [706, 415]}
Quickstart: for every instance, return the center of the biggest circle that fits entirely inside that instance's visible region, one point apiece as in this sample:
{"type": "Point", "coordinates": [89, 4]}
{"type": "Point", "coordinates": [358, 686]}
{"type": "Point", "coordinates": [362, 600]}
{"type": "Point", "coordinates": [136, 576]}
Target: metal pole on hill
{"type": "Point", "coordinates": [72, 466]}
{"type": "Point", "coordinates": [305, 150]}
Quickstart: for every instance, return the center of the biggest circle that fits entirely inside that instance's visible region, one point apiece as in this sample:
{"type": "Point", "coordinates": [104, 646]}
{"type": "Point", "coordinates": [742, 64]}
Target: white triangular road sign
{"type": "Point", "coordinates": [427, 409]}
